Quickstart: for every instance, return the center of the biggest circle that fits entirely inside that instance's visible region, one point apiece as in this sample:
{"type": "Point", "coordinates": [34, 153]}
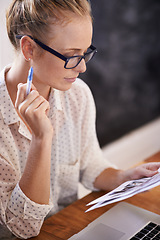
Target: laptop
{"type": "Point", "coordinates": [122, 222]}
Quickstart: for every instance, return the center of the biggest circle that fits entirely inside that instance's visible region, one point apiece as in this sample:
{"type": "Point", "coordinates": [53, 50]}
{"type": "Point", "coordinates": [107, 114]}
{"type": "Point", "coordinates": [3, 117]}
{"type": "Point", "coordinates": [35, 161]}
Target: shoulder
{"type": "Point", "coordinates": [79, 98]}
{"type": "Point", "coordinates": [80, 83]}
{"type": "Point", "coordinates": [3, 87]}
{"type": "Point", "coordinates": [2, 76]}
{"type": "Point", "coordinates": [2, 81]}
{"type": "Point", "coordinates": [80, 90]}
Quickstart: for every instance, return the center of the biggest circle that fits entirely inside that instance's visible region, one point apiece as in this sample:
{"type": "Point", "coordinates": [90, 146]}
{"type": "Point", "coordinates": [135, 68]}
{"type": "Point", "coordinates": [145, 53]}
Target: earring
{"type": "Point", "coordinates": [28, 59]}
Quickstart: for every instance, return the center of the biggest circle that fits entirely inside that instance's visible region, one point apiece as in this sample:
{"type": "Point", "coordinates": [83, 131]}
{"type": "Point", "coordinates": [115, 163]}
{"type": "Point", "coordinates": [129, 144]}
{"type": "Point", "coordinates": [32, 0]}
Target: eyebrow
{"type": "Point", "coordinates": [75, 49]}
{"type": "Point", "coordinates": [72, 49]}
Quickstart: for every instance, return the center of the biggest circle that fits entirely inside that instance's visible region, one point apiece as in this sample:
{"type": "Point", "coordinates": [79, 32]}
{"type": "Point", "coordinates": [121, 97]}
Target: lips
{"type": "Point", "coordinates": [70, 80]}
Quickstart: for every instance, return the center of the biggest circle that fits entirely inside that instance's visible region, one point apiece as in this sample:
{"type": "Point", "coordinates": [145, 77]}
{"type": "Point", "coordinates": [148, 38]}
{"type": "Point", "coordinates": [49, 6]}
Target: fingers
{"type": "Point", "coordinates": [150, 169]}
{"type": "Point", "coordinates": [154, 166]}
{"type": "Point", "coordinates": [148, 173]}
{"type": "Point", "coordinates": [33, 109]}
{"type": "Point", "coordinates": [31, 104]}
{"type": "Point", "coordinates": [144, 170]}
{"type": "Point", "coordinates": [22, 106]}
{"type": "Point", "coordinates": [36, 108]}
{"type": "Point", "coordinates": [44, 106]}
{"type": "Point", "coordinates": [21, 93]}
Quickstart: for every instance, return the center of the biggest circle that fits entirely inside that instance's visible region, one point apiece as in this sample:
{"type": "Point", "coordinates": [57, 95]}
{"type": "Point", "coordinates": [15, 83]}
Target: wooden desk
{"type": "Point", "coordinates": [73, 218]}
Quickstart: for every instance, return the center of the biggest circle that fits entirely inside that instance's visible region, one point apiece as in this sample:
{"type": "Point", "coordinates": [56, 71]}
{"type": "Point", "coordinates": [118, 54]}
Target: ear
{"type": "Point", "coordinates": [27, 47]}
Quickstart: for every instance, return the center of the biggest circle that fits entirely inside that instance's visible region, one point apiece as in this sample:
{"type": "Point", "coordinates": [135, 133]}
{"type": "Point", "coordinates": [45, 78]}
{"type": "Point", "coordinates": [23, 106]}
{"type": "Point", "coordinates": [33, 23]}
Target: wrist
{"type": "Point", "coordinates": [126, 175]}
{"type": "Point", "coordinates": [39, 135]}
{"type": "Point", "coordinates": [42, 138]}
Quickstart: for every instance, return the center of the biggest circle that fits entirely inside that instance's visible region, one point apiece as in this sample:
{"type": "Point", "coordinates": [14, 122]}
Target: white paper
{"type": "Point", "coordinates": [126, 190]}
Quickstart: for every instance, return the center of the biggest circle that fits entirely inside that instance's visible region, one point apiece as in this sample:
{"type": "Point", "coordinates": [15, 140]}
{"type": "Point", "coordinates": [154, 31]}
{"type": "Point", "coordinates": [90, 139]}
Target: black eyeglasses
{"type": "Point", "coordinates": [70, 62]}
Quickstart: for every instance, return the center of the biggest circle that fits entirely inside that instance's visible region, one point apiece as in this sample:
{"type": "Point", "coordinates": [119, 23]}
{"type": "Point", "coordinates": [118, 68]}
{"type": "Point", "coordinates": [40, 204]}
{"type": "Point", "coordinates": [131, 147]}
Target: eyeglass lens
{"type": "Point", "coordinates": [74, 61]}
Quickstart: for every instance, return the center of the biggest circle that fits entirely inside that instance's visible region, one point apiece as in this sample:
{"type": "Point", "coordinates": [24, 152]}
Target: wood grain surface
{"type": "Point", "coordinates": [73, 218]}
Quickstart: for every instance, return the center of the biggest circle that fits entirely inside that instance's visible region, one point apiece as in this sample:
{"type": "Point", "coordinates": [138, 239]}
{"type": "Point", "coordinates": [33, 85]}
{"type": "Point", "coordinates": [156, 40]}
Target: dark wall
{"type": "Point", "coordinates": [124, 76]}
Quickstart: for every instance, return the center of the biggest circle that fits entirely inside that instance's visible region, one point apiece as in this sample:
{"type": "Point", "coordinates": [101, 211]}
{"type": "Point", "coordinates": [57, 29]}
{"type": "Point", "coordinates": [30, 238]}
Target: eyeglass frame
{"type": "Point", "coordinates": [59, 55]}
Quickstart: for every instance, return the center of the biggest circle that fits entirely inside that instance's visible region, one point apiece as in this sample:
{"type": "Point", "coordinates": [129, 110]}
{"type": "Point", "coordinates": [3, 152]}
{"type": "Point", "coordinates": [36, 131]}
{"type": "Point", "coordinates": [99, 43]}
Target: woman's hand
{"type": "Point", "coordinates": [33, 109]}
{"type": "Point", "coordinates": [111, 178]}
{"type": "Point", "coordinates": [144, 170]}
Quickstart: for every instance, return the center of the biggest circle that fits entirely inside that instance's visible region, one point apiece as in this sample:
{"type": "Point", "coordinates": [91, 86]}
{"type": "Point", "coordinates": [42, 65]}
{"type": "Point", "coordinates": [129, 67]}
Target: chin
{"type": "Point", "coordinates": [63, 88]}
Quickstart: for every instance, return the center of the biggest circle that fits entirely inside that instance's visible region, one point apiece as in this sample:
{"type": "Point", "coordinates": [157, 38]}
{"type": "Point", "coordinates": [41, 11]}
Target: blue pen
{"type": "Point", "coordinates": [29, 80]}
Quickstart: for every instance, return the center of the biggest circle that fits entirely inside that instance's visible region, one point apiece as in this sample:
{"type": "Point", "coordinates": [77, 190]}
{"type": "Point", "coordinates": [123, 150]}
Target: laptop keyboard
{"type": "Point", "coordinates": [150, 231]}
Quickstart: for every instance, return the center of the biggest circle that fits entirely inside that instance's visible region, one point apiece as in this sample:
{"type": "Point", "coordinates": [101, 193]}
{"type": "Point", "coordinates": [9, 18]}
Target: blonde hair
{"type": "Point", "coordinates": [34, 16]}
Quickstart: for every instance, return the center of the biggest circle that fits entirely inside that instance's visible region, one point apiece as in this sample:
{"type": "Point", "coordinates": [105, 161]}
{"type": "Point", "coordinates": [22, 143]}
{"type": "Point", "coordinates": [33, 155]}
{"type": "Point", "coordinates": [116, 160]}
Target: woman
{"type": "Point", "coordinates": [48, 139]}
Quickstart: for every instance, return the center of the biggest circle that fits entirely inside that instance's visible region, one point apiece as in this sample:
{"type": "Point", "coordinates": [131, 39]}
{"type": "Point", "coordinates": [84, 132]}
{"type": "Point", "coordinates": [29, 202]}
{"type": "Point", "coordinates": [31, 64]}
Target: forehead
{"type": "Point", "coordinates": [76, 33]}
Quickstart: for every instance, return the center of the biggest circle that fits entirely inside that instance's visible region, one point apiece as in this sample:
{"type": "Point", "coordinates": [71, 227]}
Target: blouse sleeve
{"type": "Point", "coordinates": [22, 216]}
{"type": "Point", "coordinates": [93, 161]}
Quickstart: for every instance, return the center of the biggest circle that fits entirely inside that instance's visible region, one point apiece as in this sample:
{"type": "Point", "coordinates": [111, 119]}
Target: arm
{"type": "Point", "coordinates": [111, 178]}
{"type": "Point", "coordinates": [96, 171]}
{"type": "Point", "coordinates": [24, 201]}
{"type": "Point", "coordinates": [35, 181]}
{"type": "Point", "coordinates": [22, 216]}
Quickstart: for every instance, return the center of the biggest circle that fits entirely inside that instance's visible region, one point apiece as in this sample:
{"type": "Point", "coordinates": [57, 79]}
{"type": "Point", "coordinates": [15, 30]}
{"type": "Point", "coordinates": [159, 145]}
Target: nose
{"type": "Point", "coordinates": [81, 67]}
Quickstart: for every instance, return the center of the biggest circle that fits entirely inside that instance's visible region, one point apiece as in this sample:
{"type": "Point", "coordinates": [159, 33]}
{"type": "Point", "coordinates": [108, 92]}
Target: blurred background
{"type": "Point", "coordinates": [6, 50]}
{"type": "Point", "coordinates": [124, 76]}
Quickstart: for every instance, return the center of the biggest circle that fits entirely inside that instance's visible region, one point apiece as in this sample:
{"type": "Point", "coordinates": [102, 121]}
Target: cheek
{"type": "Point", "coordinates": [50, 71]}
{"type": "Point", "coordinates": [50, 68]}
{"type": "Point", "coordinates": [55, 72]}
{"type": "Point", "coordinates": [54, 66]}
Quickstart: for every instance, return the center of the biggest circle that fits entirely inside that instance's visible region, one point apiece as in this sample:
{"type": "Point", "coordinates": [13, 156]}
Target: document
{"type": "Point", "coordinates": [126, 190]}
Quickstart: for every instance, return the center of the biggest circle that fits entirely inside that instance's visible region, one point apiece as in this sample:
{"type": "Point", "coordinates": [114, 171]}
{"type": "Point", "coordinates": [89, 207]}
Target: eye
{"type": "Point", "coordinates": [75, 52]}
{"type": "Point", "coordinates": [70, 55]}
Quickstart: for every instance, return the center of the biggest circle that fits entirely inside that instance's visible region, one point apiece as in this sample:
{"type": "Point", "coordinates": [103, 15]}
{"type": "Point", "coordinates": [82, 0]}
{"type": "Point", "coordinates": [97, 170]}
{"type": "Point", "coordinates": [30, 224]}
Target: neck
{"type": "Point", "coordinates": [18, 73]}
